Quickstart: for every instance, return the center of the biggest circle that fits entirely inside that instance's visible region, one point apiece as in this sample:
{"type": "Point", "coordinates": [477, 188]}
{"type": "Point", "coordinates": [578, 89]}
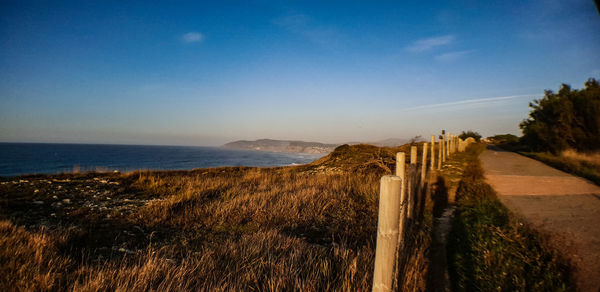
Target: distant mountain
{"type": "Point", "coordinates": [282, 146]}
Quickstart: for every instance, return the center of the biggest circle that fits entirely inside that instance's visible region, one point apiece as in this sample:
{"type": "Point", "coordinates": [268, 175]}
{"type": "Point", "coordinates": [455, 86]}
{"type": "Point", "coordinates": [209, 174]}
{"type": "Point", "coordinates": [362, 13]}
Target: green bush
{"type": "Point", "coordinates": [567, 119]}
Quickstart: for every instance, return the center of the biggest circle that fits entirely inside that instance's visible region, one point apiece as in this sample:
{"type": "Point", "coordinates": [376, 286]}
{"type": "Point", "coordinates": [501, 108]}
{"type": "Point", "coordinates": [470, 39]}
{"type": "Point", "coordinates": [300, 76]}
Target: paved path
{"type": "Point", "coordinates": [565, 206]}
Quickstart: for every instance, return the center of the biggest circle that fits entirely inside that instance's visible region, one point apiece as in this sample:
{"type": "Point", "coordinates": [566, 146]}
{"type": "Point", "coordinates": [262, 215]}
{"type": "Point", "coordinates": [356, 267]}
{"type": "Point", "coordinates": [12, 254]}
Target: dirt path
{"type": "Point", "coordinates": [565, 206]}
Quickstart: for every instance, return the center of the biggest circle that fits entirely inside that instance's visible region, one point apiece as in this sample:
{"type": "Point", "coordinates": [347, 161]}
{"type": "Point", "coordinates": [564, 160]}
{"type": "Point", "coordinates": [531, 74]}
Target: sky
{"type": "Point", "coordinates": [206, 73]}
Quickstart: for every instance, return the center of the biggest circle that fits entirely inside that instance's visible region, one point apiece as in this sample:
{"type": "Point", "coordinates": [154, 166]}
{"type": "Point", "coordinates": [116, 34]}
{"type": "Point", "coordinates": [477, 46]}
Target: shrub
{"type": "Point", "coordinates": [567, 119]}
{"type": "Point", "coordinates": [464, 135]}
{"type": "Point", "coordinates": [504, 138]}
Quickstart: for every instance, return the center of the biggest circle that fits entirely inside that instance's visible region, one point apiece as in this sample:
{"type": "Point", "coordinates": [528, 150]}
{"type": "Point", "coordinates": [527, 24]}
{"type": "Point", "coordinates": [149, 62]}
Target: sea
{"type": "Point", "coordinates": [40, 158]}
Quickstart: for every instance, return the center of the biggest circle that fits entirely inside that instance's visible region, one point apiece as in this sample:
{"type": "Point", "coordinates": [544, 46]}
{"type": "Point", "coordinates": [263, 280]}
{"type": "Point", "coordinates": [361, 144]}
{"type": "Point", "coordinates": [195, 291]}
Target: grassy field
{"type": "Point", "coordinates": [580, 164]}
{"type": "Point", "coordinates": [491, 250]}
{"type": "Point", "coordinates": [309, 228]}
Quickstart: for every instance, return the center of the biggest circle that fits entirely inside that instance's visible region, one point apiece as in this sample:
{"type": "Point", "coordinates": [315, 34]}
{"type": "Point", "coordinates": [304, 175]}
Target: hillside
{"type": "Point", "coordinates": [282, 146]}
{"type": "Point", "coordinates": [309, 227]}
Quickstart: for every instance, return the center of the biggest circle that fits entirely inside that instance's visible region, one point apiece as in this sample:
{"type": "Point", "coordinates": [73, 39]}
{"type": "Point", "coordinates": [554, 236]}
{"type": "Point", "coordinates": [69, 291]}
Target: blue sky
{"type": "Point", "coordinates": [196, 73]}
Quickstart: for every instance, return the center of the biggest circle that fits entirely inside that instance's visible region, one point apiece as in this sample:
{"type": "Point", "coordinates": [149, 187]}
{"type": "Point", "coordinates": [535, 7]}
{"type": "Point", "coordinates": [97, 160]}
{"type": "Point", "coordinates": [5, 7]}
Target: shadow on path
{"type": "Point", "coordinates": [437, 277]}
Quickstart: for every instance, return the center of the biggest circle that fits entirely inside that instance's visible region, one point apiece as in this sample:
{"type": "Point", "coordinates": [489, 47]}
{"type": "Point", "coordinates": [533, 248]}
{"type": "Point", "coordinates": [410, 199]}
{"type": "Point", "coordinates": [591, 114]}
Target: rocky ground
{"type": "Point", "coordinates": [97, 208]}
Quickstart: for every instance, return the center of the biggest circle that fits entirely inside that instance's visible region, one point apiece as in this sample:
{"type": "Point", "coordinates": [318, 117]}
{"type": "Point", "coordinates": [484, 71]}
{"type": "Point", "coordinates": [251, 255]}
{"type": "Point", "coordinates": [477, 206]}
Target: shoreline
{"type": "Point", "coordinates": [44, 159]}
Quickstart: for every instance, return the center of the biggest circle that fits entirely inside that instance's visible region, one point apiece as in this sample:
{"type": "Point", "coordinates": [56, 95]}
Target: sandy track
{"type": "Point", "coordinates": [562, 205]}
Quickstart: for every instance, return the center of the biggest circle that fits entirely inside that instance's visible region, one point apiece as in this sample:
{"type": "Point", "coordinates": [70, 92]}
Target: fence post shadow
{"type": "Point", "coordinates": [439, 197]}
{"type": "Point", "coordinates": [424, 193]}
{"type": "Point", "coordinates": [436, 275]}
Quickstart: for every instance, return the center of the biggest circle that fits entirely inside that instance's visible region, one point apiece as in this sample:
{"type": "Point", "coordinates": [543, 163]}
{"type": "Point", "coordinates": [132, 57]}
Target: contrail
{"type": "Point", "coordinates": [471, 101]}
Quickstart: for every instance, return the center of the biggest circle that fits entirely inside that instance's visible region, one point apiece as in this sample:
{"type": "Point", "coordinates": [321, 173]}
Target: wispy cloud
{"type": "Point", "coordinates": [470, 102]}
{"type": "Point", "coordinates": [427, 44]}
{"type": "Point", "coordinates": [452, 56]}
{"type": "Point", "coordinates": [192, 37]}
{"type": "Point", "coordinates": [303, 25]}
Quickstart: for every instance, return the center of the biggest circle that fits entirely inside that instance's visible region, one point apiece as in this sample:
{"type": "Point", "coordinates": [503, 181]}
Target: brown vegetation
{"type": "Point", "coordinates": [586, 165]}
{"type": "Point", "coordinates": [309, 227]}
{"type": "Point", "coordinates": [592, 158]}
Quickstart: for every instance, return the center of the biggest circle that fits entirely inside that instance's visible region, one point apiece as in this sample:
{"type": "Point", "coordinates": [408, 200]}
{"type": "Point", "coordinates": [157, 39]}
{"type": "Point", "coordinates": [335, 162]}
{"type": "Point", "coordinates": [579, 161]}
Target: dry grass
{"type": "Point", "coordinates": [30, 261]}
{"type": "Point", "coordinates": [324, 205]}
{"type": "Point", "coordinates": [262, 260]}
{"type": "Point", "coordinates": [259, 261]}
{"type": "Point", "coordinates": [589, 158]}
{"type": "Point", "coordinates": [586, 165]}
{"type": "Point", "coordinates": [309, 228]}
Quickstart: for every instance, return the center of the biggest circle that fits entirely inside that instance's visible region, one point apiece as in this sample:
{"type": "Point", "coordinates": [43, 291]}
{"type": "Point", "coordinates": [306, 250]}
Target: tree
{"type": "Point", "coordinates": [567, 119]}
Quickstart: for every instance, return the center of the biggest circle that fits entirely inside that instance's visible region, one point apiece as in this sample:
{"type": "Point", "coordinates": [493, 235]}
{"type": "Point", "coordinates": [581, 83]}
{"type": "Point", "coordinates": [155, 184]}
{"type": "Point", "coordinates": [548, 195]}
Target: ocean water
{"type": "Point", "coordinates": [29, 158]}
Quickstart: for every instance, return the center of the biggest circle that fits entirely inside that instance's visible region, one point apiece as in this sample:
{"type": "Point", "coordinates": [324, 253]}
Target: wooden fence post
{"type": "Point", "coordinates": [440, 151]}
{"type": "Point", "coordinates": [424, 164]}
{"type": "Point", "coordinates": [443, 140]}
{"type": "Point", "coordinates": [432, 152]}
{"type": "Point", "coordinates": [400, 162]}
{"type": "Point", "coordinates": [454, 144]}
{"type": "Point", "coordinates": [448, 145]}
{"type": "Point", "coordinates": [410, 192]}
{"type": "Point", "coordinates": [453, 148]}
{"type": "Point", "coordinates": [411, 180]}
{"type": "Point", "coordinates": [387, 232]}
{"type": "Point", "coordinates": [457, 143]}
{"type": "Point", "coordinates": [401, 172]}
